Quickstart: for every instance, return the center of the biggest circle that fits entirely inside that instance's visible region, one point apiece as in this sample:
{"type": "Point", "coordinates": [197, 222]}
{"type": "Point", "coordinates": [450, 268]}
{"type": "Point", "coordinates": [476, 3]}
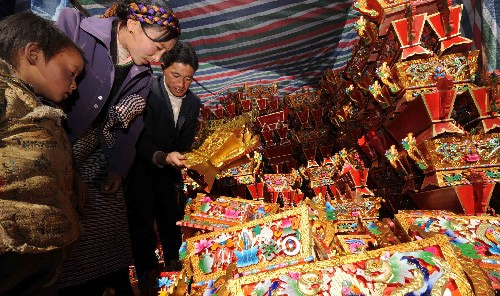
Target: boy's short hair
{"type": "Point", "coordinates": [20, 29]}
{"type": "Point", "coordinates": [183, 53]}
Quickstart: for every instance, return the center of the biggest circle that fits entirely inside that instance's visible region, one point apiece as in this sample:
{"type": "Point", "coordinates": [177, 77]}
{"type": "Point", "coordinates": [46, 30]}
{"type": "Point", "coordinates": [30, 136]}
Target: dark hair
{"type": "Point", "coordinates": [182, 52]}
{"type": "Point", "coordinates": [20, 29]}
{"type": "Point", "coordinates": [121, 9]}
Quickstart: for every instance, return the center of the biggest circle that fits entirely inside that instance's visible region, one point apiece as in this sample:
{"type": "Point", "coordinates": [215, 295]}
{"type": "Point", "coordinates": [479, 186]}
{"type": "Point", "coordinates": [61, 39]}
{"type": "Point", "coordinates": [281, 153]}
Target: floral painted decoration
{"type": "Point", "coordinates": [424, 267]}
{"type": "Point", "coordinates": [271, 241]}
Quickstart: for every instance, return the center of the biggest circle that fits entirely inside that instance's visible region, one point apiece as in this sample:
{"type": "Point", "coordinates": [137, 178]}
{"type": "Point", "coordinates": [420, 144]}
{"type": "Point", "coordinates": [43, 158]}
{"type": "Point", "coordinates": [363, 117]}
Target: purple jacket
{"type": "Point", "coordinates": [93, 36]}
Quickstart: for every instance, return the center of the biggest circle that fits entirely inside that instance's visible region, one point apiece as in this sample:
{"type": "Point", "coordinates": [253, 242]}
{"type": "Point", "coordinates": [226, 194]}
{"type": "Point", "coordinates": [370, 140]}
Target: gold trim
{"type": "Point", "coordinates": [478, 277]}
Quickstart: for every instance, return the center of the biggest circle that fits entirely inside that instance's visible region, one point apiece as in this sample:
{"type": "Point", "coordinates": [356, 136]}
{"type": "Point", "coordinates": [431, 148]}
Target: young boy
{"type": "Point", "coordinates": [37, 216]}
{"type": "Point", "coordinates": [169, 127]}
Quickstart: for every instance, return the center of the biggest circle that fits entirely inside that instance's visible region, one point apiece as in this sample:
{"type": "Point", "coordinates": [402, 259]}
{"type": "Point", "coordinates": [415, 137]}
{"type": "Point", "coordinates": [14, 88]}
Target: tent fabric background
{"type": "Point", "coordinates": [261, 42]}
{"type": "Point", "coordinates": [290, 42]}
{"type": "Point", "coordinates": [481, 20]}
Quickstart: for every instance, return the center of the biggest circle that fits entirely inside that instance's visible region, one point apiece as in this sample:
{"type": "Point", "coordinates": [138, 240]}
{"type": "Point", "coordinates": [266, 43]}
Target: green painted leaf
{"type": "Point", "coordinates": [206, 263]}
{"type": "Point", "coordinates": [427, 257]}
{"type": "Point", "coordinates": [205, 207]}
{"type": "Point", "coordinates": [468, 250]}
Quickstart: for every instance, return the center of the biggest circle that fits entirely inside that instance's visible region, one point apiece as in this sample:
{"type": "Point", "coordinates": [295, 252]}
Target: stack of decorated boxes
{"type": "Point", "coordinates": [457, 154]}
{"type": "Point", "coordinates": [398, 111]}
{"type": "Point", "coordinates": [270, 174]}
{"type": "Point", "coordinates": [318, 249]}
{"type": "Point", "coordinates": [409, 93]}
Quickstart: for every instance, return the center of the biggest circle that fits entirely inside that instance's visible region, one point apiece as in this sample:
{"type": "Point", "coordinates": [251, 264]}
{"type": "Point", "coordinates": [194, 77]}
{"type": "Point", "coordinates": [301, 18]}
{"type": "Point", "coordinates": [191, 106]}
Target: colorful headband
{"type": "Point", "coordinates": [152, 14]}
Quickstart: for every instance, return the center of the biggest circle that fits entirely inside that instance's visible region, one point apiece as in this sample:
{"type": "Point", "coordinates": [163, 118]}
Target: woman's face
{"type": "Point", "coordinates": [142, 48]}
{"type": "Point", "coordinates": [55, 78]}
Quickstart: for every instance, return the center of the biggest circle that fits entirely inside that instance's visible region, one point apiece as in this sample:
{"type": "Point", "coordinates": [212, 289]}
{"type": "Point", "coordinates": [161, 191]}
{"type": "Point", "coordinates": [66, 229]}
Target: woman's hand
{"type": "Point", "coordinates": [113, 183]}
{"type": "Point", "coordinates": [174, 159]}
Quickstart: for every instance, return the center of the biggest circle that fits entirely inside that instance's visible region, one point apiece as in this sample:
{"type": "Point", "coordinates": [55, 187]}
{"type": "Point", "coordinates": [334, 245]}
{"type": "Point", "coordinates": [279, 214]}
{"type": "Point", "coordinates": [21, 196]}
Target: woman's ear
{"type": "Point", "coordinates": [32, 53]}
{"type": "Point", "coordinates": [133, 26]}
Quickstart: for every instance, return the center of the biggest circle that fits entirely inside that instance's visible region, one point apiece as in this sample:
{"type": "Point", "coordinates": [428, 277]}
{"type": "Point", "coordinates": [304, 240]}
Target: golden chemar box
{"type": "Point", "coordinates": [426, 267]}
{"type": "Point", "coordinates": [275, 240]}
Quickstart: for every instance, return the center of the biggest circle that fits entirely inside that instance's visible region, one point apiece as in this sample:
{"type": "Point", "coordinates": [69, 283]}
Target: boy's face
{"type": "Point", "coordinates": [57, 77]}
{"type": "Point", "coordinates": [178, 78]}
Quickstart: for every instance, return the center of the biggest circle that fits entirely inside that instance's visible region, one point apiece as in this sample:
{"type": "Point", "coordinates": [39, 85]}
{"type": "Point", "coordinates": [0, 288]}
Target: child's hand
{"type": "Point", "coordinates": [175, 159]}
{"type": "Point", "coordinates": [113, 183]}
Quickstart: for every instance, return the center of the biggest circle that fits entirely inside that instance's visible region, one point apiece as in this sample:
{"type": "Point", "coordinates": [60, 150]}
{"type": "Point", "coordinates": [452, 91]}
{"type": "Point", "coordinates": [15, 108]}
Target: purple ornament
{"type": "Point", "coordinates": [141, 19]}
{"type": "Point", "coordinates": [140, 6]}
{"type": "Point", "coordinates": [151, 11]}
{"type": "Point", "coordinates": [162, 10]}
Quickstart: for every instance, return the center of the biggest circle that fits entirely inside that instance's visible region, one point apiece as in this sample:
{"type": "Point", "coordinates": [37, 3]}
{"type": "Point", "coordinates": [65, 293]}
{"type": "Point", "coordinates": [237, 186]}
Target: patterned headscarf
{"type": "Point", "coordinates": [152, 14]}
{"type": "Point", "coordinates": [148, 14]}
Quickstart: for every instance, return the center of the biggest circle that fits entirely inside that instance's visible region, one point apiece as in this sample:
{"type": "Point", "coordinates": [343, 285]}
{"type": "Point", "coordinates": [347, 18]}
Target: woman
{"type": "Point", "coordinates": [105, 120]}
{"type": "Point", "coordinates": [37, 214]}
